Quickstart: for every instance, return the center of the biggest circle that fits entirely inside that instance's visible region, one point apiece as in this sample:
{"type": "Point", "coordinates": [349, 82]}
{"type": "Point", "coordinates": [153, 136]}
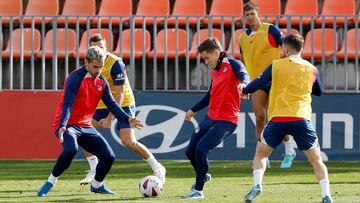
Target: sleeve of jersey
{"type": "Point", "coordinates": [112, 105]}
{"type": "Point", "coordinates": [203, 103]}
{"type": "Point", "coordinates": [317, 87]}
{"type": "Point", "coordinates": [118, 72]}
{"type": "Point", "coordinates": [275, 36]}
{"type": "Point", "coordinates": [259, 82]}
{"type": "Point", "coordinates": [240, 71]}
{"type": "Point", "coordinates": [70, 91]}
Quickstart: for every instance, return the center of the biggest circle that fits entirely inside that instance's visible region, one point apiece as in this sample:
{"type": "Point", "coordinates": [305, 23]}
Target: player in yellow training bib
{"type": "Point", "coordinates": [293, 80]}
{"type": "Point", "coordinates": [259, 46]}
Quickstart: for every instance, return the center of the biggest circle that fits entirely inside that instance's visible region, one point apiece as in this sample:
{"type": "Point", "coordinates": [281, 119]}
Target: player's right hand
{"type": "Point", "coordinates": [245, 96]}
{"type": "Point", "coordinates": [136, 123]}
{"type": "Point", "coordinates": [61, 134]}
{"type": "Point", "coordinates": [189, 115]}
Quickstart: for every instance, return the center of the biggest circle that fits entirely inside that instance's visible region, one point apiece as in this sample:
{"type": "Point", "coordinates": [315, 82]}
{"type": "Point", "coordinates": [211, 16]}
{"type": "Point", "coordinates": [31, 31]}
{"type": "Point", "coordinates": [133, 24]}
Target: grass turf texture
{"type": "Point", "coordinates": [20, 180]}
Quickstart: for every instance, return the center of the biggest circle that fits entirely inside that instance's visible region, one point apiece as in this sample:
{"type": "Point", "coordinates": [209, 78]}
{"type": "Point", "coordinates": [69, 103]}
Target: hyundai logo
{"type": "Point", "coordinates": [169, 128]}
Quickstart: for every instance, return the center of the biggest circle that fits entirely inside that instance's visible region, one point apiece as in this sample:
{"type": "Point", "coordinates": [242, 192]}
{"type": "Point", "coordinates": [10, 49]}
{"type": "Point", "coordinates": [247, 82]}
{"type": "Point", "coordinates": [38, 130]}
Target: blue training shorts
{"type": "Point", "coordinates": [302, 132]}
{"type": "Point", "coordinates": [103, 113]}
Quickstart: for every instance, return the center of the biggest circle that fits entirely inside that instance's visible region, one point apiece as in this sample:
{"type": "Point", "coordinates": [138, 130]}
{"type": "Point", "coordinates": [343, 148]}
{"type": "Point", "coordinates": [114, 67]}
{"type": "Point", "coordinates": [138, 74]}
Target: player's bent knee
{"type": "Point", "coordinates": [70, 152]}
{"type": "Point", "coordinates": [130, 144]}
{"type": "Point", "coordinates": [189, 153]}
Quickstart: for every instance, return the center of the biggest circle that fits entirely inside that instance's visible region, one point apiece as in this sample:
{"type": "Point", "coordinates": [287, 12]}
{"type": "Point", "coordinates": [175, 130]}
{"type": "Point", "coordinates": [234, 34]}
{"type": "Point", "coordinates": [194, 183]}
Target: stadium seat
{"type": "Point", "coordinates": [203, 34]}
{"type": "Point", "coordinates": [10, 8]}
{"type": "Point", "coordinates": [138, 43]}
{"type": "Point", "coordinates": [60, 43]}
{"type": "Point", "coordinates": [270, 8]}
{"type": "Point", "coordinates": [27, 49]}
{"type": "Point", "coordinates": [236, 45]}
{"type": "Point", "coordinates": [149, 8]}
{"type": "Point", "coordinates": [329, 44]}
{"type": "Point", "coordinates": [113, 8]}
{"type": "Point", "coordinates": [77, 8]}
{"type": "Point", "coordinates": [46, 8]}
{"type": "Point", "coordinates": [297, 8]}
{"type": "Point", "coordinates": [84, 42]}
{"type": "Point", "coordinates": [232, 7]}
{"type": "Point", "coordinates": [351, 45]}
{"type": "Point", "coordinates": [338, 9]}
{"type": "Point", "coordinates": [182, 8]}
{"type": "Point", "coordinates": [292, 31]}
{"type": "Point", "coordinates": [171, 44]}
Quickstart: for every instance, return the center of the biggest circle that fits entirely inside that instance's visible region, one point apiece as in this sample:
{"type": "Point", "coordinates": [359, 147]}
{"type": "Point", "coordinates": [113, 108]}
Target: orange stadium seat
{"type": "Point", "coordinates": [10, 8]}
{"type": "Point", "coordinates": [27, 49]}
{"type": "Point", "coordinates": [292, 31]}
{"type": "Point", "coordinates": [184, 8]}
{"type": "Point", "coordinates": [43, 8]}
{"type": "Point", "coordinates": [203, 34]}
{"type": "Point", "coordinates": [77, 8]}
{"type": "Point", "coordinates": [236, 45]}
{"type": "Point", "coordinates": [113, 8]}
{"type": "Point", "coordinates": [219, 8]}
{"type": "Point", "coordinates": [297, 8]}
{"type": "Point", "coordinates": [351, 45]}
{"type": "Point", "coordinates": [84, 42]}
{"type": "Point", "coordinates": [336, 8]}
{"type": "Point", "coordinates": [138, 43]}
{"type": "Point", "coordinates": [148, 7]}
{"type": "Point", "coordinates": [329, 44]}
{"type": "Point", "coordinates": [60, 43]}
{"type": "Point", "coordinates": [269, 7]}
{"type": "Point", "coordinates": [171, 44]}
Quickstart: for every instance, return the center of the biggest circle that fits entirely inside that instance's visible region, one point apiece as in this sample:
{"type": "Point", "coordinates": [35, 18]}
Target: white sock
{"type": "Point", "coordinates": [93, 161]}
{"type": "Point", "coordinates": [258, 177]}
{"type": "Point", "coordinates": [199, 191]}
{"type": "Point", "coordinates": [52, 179]}
{"type": "Point", "coordinates": [325, 187]}
{"type": "Point", "coordinates": [154, 164]}
{"type": "Point", "coordinates": [96, 184]}
{"type": "Point", "coordinates": [288, 147]}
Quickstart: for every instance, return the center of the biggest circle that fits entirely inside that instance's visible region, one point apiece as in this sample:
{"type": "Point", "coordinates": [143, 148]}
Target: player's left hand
{"type": "Point", "coordinates": [105, 123]}
{"type": "Point", "coordinates": [136, 123]}
{"type": "Point", "coordinates": [240, 87]}
{"type": "Point", "coordinates": [61, 134]}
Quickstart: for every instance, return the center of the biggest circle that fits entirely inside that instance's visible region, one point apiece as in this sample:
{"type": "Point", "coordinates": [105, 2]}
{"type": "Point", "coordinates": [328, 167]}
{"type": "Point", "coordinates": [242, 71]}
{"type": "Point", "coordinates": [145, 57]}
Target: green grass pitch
{"type": "Point", "coordinates": [19, 181]}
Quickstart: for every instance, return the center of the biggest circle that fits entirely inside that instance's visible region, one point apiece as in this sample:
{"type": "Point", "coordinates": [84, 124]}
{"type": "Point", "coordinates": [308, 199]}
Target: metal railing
{"type": "Point", "coordinates": [178, 70]}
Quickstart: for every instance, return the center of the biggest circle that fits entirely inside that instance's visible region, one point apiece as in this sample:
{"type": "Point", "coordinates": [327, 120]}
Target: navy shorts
{"type": "Point", "coordinates": [266, 87]}
{"type": "Point", "coordinates": [103, 113]}
{"type": "Point", "coordinates": [302, 132]}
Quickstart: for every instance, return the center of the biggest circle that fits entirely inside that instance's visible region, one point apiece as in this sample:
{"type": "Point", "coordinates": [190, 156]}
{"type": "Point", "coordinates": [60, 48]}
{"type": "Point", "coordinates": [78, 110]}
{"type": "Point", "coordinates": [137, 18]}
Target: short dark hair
{"type": "Point", "coordinates": [209, 45]}
{"type": "Point", "coordinates": [96, 38]}
{"type": "Point", "coordinates": [295, 41]}
{"type": "Point", "coordinates": [250, 6]}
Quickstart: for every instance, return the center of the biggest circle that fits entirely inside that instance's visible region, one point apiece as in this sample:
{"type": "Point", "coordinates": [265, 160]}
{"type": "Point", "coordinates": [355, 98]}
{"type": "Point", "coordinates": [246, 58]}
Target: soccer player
{"type": "Point", "coordinates": [293, 80]}
{"type": "Point", "coordinates": [223, 100]}
{"type": "Point", "coordinates": [83, 89]}
{"type": "Point", "coordinates": [115, 74]}
{"type": "Point", "coordinates": [260, 45]}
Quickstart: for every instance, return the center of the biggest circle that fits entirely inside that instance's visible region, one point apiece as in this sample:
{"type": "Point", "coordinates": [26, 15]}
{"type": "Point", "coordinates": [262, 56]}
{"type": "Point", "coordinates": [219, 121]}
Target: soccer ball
{"type": "Point", "coordinates": [150, 186]}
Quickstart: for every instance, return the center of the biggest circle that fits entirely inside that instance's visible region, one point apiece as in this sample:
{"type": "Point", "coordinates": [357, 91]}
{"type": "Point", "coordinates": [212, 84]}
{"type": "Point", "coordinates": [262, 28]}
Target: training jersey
{"type": "Point", "coordinates": [223, 97]}
{"type": "Point", "coordinates": [115, 74]}
{"type": "Point", "coordinates": [260, 48]}
{"type": "Point", "coordinates": [80, 97]}
{"type": "Point", "coordinates": [293, 80]}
